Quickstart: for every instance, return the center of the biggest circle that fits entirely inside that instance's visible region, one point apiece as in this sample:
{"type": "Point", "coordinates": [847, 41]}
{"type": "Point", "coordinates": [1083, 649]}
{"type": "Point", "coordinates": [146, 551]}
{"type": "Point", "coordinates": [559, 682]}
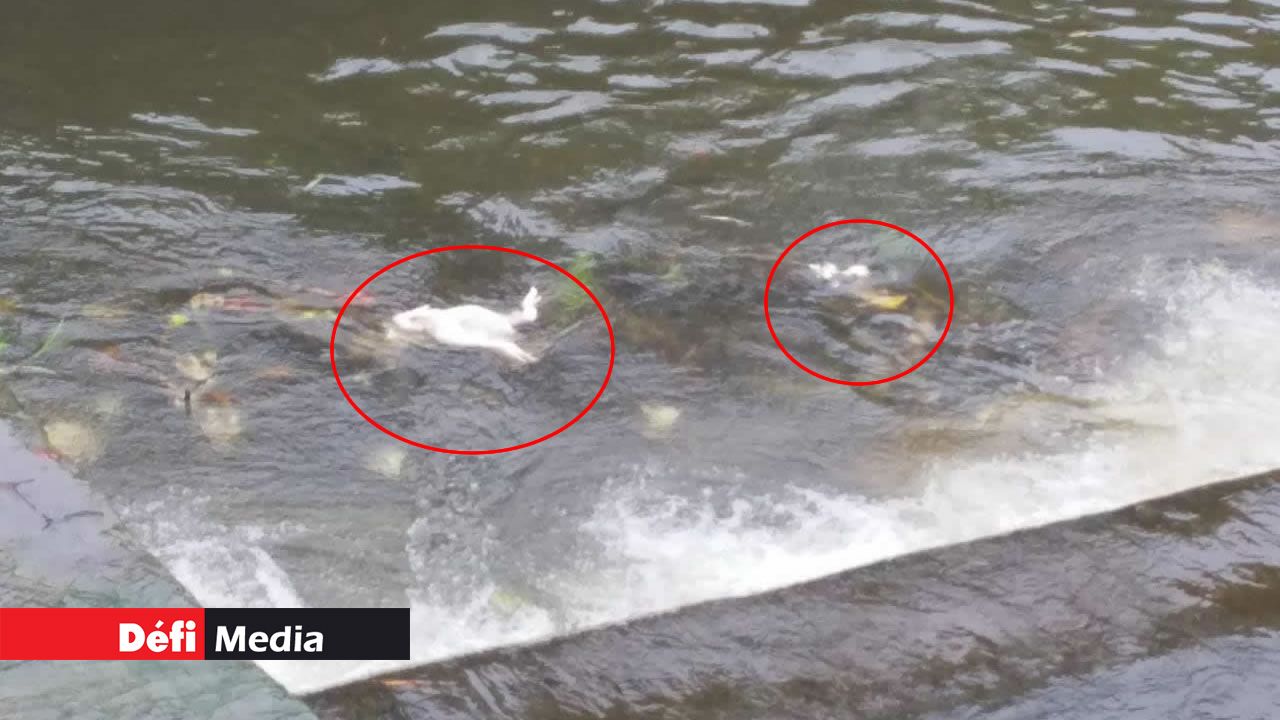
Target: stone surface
{"type": "Point", "coordinates": [62, 546]}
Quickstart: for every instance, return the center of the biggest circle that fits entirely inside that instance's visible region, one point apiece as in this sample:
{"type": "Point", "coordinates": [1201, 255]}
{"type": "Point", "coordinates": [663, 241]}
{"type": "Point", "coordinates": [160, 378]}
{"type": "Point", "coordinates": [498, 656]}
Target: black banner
{"type": "Point", "coordinates": [306, 634]}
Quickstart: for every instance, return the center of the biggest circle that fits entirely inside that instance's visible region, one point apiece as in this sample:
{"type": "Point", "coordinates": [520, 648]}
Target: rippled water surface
{"type": "Point", "coordinates": [189, 191]}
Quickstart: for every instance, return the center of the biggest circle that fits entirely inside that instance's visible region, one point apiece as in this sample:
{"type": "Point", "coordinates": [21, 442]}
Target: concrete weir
{"type": "Point", "coordinates": [1000, 623]}
{"type": "Point", "coordinates": [62, 546]}
{"type": "Point", "coordinates": [997, 624]}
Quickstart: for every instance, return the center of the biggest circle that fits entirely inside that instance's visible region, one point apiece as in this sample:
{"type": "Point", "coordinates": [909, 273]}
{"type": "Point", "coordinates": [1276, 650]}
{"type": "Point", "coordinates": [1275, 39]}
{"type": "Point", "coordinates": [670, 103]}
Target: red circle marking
{"type": "Point", "coordinates": [951, 307]}
{"type": "Point", "coordinates": [333, 362]}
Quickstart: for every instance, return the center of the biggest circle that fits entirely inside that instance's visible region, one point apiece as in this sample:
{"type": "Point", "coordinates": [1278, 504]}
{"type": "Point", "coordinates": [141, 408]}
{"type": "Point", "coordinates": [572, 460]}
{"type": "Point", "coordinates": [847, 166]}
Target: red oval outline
{"type": "Point", "coordinates": [951, 295]}
{"type": "Point", "coordinates": [333, 337]}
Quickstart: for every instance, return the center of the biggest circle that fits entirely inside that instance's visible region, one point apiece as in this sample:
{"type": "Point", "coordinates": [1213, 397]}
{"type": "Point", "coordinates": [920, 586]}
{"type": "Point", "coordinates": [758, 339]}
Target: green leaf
{"type": "Point", "coordinates": [177, 320]}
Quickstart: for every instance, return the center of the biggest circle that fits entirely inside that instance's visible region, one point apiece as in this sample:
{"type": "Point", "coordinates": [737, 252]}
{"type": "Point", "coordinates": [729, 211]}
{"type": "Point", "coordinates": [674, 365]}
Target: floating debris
{"type": "Point", "coordinates": [50, 342]}
{"type": "Point", "coordinates": [207, 301]}
{"type": "Point", "coordinates": [221, 424]}
{"type": "Point", "coordinates": [49, 454]}
{"type": "Point", "coordinates": [8, 306]}
{"type": "Point", "coordinates": [112, 351]}
{"type": "Point", "coordinates": [829, 271]}
{"type": "Point", "coordinates": [306, 313]}
{"type": "Point", "coordinates": [108, 405]}
{"type": "Point", "coordinates": [202, 301]}
{"type": "Point", "coordinates": [659, 419]}
{"type": "Point", "coordinates": [862, 289]}
{"type": "Point", "coordinates": [274, 372]}
{"type": "Point", "coordinates": [245, 304]}
{"type": "Point", "coordinates": [72, 440]}
{"type": "Point", "coordinates": [217, 397]}
{"type": "Point", "coordinates": [567, 298]}
{"type": "Point", "coordinates": [387, 461]}
{"type": "Point", "coordinates": [197, 368]}
{"type": "Point", "coordinates": [883, 302]}
{"type": "Point", "coordinates": [177, 320]}
{"type": "Point", "coordinates": [726, 219]}
{"type": "Point", "coordinates": [676, 274]}
{"type": "Point", "coordinates": [364, 298]}
{"type": "Point", "coordinates": [230, 303]}
{"type": "Point", "coordinates": [103, 312]}
{"type": "Point", "coordinates": [344, 185]}
{"type": "Point", "coordinates": [19, 370]}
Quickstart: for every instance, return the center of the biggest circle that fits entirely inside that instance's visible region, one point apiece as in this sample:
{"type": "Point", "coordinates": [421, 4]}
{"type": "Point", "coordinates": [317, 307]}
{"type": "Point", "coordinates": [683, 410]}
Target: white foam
{"type": "Point", "coordinates": [1198, 408]}
{"type": "Point", "coordinates": [222, 567]}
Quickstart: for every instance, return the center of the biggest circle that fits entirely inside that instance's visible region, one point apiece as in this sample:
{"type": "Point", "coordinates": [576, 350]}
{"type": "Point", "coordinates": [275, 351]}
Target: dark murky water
{"type": "Point", "coordinates": [189, 191]}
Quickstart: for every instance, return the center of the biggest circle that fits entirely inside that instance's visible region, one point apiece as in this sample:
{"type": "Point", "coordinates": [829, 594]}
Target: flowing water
{"type": "Point", "coordinates": [189, 191]}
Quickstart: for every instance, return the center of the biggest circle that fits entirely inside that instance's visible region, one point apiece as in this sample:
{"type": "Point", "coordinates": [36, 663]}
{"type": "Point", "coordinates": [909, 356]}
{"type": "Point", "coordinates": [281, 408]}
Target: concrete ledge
{"type": "Point", "coordinates": [61, 546]}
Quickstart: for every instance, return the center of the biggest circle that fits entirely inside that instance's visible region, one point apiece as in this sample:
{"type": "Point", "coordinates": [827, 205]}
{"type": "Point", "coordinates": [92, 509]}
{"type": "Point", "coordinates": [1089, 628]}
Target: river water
{"type": "Point", "coordinates": [189, 192]}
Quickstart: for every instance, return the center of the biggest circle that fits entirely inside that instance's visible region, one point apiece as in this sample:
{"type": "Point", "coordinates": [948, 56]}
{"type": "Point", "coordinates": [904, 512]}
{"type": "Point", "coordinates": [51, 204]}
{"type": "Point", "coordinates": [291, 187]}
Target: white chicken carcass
{"type": "Point", "coordinates": [471, 326]}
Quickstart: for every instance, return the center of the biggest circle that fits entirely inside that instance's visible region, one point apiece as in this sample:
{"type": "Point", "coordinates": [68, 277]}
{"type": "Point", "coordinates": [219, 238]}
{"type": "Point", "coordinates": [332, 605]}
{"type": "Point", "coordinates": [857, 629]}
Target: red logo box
{"type": "Point", "coordinates": [101, 633]}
